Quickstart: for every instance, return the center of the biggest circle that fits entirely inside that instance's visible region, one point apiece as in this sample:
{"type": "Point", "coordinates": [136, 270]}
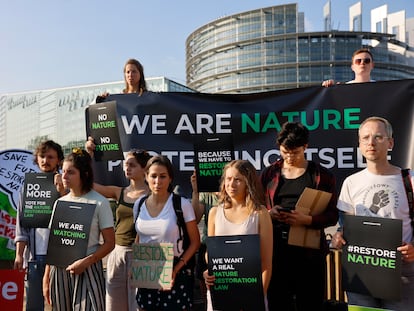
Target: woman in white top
{"type": "Point", "coordinates": [156, 222]}
{"type": "Point", "coordinates": [241, 211]}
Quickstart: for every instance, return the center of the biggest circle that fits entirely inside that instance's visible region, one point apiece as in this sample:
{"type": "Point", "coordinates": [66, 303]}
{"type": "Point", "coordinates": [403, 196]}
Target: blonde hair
{"type": "Point", "coordinates": [254, 192]}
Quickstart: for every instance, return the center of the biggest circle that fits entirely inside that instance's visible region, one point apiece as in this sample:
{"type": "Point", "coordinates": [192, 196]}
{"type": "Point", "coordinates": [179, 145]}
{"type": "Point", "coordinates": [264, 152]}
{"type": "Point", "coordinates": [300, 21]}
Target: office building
{"type": "Point", "coordinates": [267, 49]}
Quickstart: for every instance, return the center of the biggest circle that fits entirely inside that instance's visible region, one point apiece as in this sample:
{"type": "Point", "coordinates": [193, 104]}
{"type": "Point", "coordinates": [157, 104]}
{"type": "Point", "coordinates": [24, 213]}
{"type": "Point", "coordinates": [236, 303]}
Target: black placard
{"type": "Point", "coordinates": [69, 232]}
{"type": "Point", "coordinates": [102, 125]}
{"type": "Point", "coordinates": [235, 261]}
{"type": "Point", "coordinates": [371, 255]}
{"type": "Point", "coordinates": [38, 198]}
{"type": "Point", "coordinates": [211, 155]}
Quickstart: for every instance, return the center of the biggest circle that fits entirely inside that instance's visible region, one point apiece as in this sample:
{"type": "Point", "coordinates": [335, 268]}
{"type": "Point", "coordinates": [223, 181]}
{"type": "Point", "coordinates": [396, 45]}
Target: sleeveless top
{"type": "Point", "coordinates": [224, 227]}
{"type": "Point", "coordinates": [124, 224]}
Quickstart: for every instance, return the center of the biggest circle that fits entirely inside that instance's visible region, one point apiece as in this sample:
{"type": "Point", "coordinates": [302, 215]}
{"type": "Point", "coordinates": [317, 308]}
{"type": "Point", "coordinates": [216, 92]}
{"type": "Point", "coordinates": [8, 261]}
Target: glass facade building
{"type": "Point", "coordinates": [267, 49]}
{"type": "Point", "coordinates": [58, 114]}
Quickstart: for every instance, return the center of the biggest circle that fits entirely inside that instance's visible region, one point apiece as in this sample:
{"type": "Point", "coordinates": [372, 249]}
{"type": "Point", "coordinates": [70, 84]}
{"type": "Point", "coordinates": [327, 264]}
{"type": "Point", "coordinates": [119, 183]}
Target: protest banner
{"type": "Point", "coordinates": [11, 289]}
{"type": "Point", "coordinates": [102, 125]}
{"type": "Point", "coordinates": [236, 264]}
{"type": "Point", "coordinates": [39, 195]}
{"type": "Point", "coordinates": [69, 232]}
{"type": "Point", "coordinates": [14, 164]}
{"type": "Point", "coordinates": [371, 255]}
{"type": "Point", "coordinates": [211, 155]}
{"type": "Point", "coordinates": [152, 265]}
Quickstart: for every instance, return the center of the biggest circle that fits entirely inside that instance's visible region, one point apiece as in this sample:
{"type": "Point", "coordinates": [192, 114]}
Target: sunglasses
{"type": "Point", "coordinates": [358, 61]}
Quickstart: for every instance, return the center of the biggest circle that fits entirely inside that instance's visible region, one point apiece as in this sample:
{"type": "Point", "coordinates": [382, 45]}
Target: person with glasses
{"type": "Point", "coordinates": [378, 191]}
{"type": "Point", "coordinates": [362, 65]}
{"type": "Point", "coordinates": [299, 273]}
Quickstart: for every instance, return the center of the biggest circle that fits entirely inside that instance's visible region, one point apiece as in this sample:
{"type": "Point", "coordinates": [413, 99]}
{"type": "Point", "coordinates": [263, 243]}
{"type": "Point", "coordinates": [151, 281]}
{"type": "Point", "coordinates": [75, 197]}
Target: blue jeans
{"type": "Point", "coordinates": [34, 288]}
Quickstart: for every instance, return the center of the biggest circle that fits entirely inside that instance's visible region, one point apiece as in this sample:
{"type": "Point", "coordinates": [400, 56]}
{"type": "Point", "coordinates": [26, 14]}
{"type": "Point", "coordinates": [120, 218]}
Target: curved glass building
{"type": "Point", "coordinates": [267, 49]}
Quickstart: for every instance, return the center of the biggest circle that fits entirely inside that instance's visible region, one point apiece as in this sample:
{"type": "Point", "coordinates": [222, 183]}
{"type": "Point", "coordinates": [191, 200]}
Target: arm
{"type": "Point", "coordinates": [46, 284]}
{"type": "Point", "coordinates": [22, 236]}
{"type": "Point", "coordinates": [266, 247]}
{"type": "Point", "coordinates": [194, 235]}
{"type": "Point", "coordinates": [104, 249]}
{"type": "Point", "coordinates": [112, 192]}
{"type": "Point", "coordinates": [209, 279]}
{"type": "Point", "coordinates": [195, 199]}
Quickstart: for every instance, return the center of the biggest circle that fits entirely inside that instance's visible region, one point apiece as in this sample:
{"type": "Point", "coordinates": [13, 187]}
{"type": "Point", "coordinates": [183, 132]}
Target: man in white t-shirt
{"type": "Point", "coordinates": [379, 191]}
{"type": "Point", "coordinates": [362, 64]}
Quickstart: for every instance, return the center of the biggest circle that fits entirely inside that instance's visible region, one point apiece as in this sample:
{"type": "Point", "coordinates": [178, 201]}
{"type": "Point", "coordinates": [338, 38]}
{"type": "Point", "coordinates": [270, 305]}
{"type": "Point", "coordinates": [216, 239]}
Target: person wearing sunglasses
{"type": "Point", "coordinates": [362, 65]}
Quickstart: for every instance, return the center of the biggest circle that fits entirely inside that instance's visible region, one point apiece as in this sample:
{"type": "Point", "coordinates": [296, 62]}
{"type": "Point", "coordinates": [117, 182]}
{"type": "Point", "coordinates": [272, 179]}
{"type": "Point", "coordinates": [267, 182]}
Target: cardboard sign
{"type": "Point", "coordinates": [14, 164]}
{"type": "Point", "coordinates": [311, 202]}
{"type": "Point", "coordinates": [152, 265]}
{"type": "Point", "coordinates": [69, 232]}
{"type": "Point", "coordinates": [102, 125]}
{"type": "Point", "coordinates": [371, 255]}
{"type": "Point", "coordinates": [11, 289]}
{"type": "Point", "coordinates": [235, 262]}
{"type": "Point", "coordinates": [38, 198]}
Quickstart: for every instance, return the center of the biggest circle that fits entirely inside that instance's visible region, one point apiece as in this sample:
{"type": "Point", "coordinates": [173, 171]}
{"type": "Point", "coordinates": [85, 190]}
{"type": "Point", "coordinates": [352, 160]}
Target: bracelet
{"type": "Point", "coordinates": [183, 260]}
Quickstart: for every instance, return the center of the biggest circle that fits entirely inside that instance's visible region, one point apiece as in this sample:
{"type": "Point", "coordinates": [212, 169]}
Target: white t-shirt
{"type": "Point", "coordinates": [163, 228]}
{"type": "Point", "coordinates": [368, 194]}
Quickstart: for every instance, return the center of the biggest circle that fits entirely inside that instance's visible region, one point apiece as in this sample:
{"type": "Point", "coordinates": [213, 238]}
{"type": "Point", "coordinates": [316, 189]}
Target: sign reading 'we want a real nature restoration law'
{"type": "Point", "coordinates": [371, 255]}
{"type": "Point", "coordinates": [235, 262]}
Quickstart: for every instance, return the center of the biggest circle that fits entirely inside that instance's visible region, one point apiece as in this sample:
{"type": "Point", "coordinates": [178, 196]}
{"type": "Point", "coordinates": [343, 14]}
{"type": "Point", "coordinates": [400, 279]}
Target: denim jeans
{"type": "Point", "coordinates": [34, 288]}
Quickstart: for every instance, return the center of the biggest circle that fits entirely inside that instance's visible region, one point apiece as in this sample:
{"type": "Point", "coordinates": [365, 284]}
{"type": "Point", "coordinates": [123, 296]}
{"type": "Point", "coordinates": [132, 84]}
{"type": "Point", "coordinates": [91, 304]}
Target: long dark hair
{"type": "Point", "coordinates": [83, 162]}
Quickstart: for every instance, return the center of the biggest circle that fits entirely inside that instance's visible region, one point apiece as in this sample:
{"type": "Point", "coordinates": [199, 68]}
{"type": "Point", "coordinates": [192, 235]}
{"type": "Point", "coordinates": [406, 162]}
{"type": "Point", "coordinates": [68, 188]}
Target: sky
{"type": "Point", "coordinates": [51, 44]}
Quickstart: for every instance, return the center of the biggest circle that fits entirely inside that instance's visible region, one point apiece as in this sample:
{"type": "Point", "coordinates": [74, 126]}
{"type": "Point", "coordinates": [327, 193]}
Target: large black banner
{"type": "Point", "coordinates": [170, 123]}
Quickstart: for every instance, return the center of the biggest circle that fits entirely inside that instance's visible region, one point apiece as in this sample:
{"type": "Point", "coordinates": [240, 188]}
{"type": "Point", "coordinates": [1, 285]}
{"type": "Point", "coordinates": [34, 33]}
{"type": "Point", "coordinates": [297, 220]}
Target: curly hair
{"type": "Point", "coordinates": [83, 162]}
{"type": "Point", "coordinates": [293, 135]}
{"type": "Point", "coordinates": [45, 146]}
{"type": "Point", "coordinates": [254, 196]}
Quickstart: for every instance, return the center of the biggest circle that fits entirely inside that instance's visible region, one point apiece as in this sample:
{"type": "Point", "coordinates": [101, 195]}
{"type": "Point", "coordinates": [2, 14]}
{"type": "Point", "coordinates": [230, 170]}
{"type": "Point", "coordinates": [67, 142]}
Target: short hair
{"type": "Point", "coordinates": [141, 156]}
{"type": "Point", "coordinates": [254, 191]}
{"type": "Point", "coordinates": [45, 146]}
{"type": "Point", "coordinates": [163, 161]}
{"type": "Point", "coordinates": [142, 85]}
{"type": "Point", "coordinates": [387, 124]}
{"type": "Point", "coordinates": [293, 135]}
{"type": "Point", "coordinates": [83, 162]}
{"type": "Point", "coordinates": [359, 51]}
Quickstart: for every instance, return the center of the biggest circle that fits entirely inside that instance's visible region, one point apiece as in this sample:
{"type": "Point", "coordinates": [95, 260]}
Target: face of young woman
{"type": "Point", "coordinates": [132, 75]}
{"type": "Point", "coordinates": [71, 177]}
{"type": "Point", "coordinates": [132, 169]}
{"type": "Point", "coordinates": [235, 184]}
{"type": "Point", "coordinates": [158, 179]}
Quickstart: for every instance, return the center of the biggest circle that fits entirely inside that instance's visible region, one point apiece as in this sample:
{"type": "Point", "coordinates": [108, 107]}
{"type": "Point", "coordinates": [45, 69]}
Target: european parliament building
{"type": "Point", "coordinates": [268, 49]}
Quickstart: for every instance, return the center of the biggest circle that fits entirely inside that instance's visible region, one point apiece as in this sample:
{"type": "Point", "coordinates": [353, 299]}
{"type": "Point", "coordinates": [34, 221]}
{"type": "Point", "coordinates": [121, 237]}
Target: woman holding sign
{"type": "Point", "coordinates": [120, 295]}
{"type": "Point", "coordinates": [81, 284]}
{"type": "Point", "coordinates": [241, 211]}
{"type": "Point", "coordinates": [157, 222]}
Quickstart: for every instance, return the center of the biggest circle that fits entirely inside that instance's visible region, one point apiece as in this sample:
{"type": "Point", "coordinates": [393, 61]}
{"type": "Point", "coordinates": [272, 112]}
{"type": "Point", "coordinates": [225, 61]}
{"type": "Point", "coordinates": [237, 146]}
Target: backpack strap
{"type": "Point", "coordinates": [141, 201]}
{"type": "Point", "coordinates": [409, 191]}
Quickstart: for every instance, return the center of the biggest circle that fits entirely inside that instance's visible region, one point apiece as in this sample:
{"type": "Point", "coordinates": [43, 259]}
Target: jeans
{"type": "Point", "coordinates": [34, 288]}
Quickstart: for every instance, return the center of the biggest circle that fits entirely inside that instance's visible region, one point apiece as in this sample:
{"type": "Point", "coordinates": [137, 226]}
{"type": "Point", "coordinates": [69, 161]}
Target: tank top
{"type": "Point", "coordinates": [225, 227]}
{"type": "Point", "coordinates": [124, 225]}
